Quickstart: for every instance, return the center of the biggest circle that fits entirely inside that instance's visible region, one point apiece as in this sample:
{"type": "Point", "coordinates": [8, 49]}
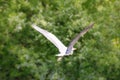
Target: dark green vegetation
{"type": "Point", "coordinates": [27, 55]}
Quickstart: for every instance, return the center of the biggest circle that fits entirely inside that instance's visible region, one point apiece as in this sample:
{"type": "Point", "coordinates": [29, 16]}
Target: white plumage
{"type": "Point", "coordinates": [64, 51]}
{"type": "Point", "coordinates": [61, 47]}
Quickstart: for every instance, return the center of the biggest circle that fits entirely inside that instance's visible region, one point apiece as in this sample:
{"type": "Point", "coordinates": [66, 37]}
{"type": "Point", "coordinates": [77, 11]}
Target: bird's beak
{"type": "Point", "coordinates": [74, 48]}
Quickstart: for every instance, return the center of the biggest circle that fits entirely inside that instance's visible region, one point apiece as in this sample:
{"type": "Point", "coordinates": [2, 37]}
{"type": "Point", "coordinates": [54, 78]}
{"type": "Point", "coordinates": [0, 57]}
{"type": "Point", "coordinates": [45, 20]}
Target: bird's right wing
{"type": "Point", "coordinates": [72, 43]}
{"type": "Point", "coordinates": [52, 38]}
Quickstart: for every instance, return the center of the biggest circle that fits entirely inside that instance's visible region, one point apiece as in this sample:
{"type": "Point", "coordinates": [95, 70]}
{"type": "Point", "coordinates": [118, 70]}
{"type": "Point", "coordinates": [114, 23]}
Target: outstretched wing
{"type": "Point", "coordinates": [52, 38]}
{"type": "Point", "coordinates": [72, 43]}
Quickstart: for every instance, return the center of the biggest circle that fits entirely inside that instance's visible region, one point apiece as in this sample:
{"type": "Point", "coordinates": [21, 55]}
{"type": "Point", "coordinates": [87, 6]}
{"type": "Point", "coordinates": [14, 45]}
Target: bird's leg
{"type": "Point", "coordinates": [59, 58]}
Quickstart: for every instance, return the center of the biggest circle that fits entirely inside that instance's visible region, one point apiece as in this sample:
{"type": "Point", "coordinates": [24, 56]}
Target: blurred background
{"type": "Point", "coordinates": [25, 54]}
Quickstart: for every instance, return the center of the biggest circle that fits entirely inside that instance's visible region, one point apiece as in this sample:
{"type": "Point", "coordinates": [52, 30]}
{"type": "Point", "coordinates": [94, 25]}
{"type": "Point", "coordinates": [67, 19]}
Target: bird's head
{"type": "Point", "coordinates": [74, 49]}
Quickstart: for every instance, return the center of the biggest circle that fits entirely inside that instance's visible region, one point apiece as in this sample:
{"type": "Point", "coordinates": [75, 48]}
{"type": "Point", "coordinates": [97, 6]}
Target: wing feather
{"type": "Point", "coordinates": [72, 43]}
{"type": "Point", "coordinates": [52, 38]}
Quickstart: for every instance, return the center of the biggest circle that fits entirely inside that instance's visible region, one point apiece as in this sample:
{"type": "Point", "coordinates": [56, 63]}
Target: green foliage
{"type": "Point", "coordinates": [26, 54]}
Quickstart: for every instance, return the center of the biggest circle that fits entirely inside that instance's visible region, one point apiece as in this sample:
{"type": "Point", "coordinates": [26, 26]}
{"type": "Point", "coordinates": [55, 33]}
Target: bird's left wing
{"type": "Point", "coordinates": [72, 43]}
{"type": "Point", "coordinates": [52, 38]}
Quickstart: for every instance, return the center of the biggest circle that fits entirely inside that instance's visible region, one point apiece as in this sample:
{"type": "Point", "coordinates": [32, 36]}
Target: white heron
{"type": "Point", "coordinates": [64, 51]}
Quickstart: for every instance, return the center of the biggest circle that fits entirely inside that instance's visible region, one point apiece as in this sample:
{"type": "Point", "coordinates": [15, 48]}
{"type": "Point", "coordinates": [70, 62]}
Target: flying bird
{"type": "Point", "coordinates": [63, 50]}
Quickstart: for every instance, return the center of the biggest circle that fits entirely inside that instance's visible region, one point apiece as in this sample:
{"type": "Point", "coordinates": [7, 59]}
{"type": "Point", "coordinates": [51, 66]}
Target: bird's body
{"type": "Point", "coordinates": [64, 51]}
